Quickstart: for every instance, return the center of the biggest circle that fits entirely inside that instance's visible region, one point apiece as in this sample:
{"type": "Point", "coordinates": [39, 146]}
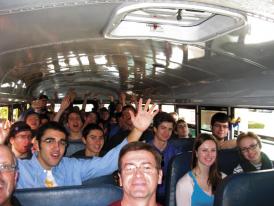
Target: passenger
{"type": "Point", "coordinates": [182, 129]}
{"type": "Point", "coordinates": [220, 129]}
{"type": "Point", "coordinates": [252, 158]}
{"type": "Point", "coordinates": [198, 186]}
{"type": "Point", "coordinates": [44, 118]}
{"type": "Point", "coordinates": [139, 173]}
{"type": "Point", "coordinates": [91, 118]}
{"type": "Point", "coordinates": [119, 133]}
{"type": "Point", "coordinates": [33, 120]}
{"type": "Point", "coordinates": [48, 168]}
{"type": "Point", "coordinates": [74, 125]}
{"type": "Point", "coordinates": [163, 124]}
{"type": "Point", "coordinates": [19, 139]}
{"type": "Point", "coordinates": [93, 138]}
{"type": "Point", "coordinates": [8, 177]}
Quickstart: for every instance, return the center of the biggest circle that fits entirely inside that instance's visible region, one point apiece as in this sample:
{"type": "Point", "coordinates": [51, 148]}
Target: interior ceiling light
{"type": "Point", "coordinates": [180, 22]}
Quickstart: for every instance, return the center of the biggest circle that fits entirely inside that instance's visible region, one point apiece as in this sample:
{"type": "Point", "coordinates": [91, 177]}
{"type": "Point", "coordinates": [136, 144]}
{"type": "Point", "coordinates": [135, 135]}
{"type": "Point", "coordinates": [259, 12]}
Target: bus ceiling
{"type": "Point", "coordinates": [189, 52]}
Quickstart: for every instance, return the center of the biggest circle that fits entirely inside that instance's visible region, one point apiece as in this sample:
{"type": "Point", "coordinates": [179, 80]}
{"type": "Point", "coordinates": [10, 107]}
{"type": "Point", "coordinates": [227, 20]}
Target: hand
{"type": "Point", "coordinates": [65, 103]}
{"type": "Point", "coordinates": [144, 116]}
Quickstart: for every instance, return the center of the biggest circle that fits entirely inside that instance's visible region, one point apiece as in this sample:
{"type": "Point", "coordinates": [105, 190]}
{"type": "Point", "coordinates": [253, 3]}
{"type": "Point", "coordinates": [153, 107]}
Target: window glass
{"type": "Point", "coordinates": [15, 114]}
{"type": "Point", "coordinates": [4, 113]}
{"type": "Point", "coordinates": [189, 116]}
{"type": "Point", "coordinates": [168, 108]}
{"type": "Point", "coordinates": [259, 121]}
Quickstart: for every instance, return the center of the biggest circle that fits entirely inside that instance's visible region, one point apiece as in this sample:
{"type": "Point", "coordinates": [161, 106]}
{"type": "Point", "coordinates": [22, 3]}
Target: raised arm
{"type": "Point", "coordinates": [141, 120]}
{"type": "Point", "coordinates": [64, 105]}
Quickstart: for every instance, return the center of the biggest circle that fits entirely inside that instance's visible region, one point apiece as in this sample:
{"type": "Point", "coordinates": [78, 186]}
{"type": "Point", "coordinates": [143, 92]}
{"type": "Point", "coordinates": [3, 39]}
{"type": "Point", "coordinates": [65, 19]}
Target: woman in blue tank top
{"type": "Point", "coordinates": [197, 187]}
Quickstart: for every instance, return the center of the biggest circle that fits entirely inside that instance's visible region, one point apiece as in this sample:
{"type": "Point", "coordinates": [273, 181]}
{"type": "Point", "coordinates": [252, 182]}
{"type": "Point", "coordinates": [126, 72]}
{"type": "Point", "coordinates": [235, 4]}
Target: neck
{"type": "Point", "coordinates": [201, 171]}
{"type": "Point", "coordinates": [128, 201]}
{"type": "Point", "coordinates": [75, 136]}
{"type": "Point", "coordinates": [89, 153]}
{"type": "Point", "coordinates": [19, 154]}
{"type": "Point", "coordinates": [7, 203]}
{"type": "Point", "coordinates": [161, 145]}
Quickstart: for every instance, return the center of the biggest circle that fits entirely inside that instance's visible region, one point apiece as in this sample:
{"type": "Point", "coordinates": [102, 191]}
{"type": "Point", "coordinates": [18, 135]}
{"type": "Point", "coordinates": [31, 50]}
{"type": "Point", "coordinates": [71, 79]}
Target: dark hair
{"type": "Point", "coordinates": [219, 117]}
{"type": "Point", "coordinates": [50, 125]}
{"type": "Point", "coordinates": [17, 127]}
{"type": "Point", "coordinates": [130, 107]}
{"type": "Point", "coordinates": [89, 128]}
{"type": "Point", "coordinates": [137, 146]}
{"type": "Point", "coordinates": [179, 121]}
{"type": "Point", "coordinates": [96, 114]}
{"type": "Point", "coordinates": [43, 96]}
{"type": "Point", "coordinates": [214, 177]}
{"type": "Point", "coordinates": [162, 117]}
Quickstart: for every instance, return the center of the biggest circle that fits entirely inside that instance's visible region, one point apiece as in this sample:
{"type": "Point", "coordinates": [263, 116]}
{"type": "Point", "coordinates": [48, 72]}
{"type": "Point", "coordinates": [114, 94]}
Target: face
{"type": "Point", "coordinates": [21, 142]}
{"type": "Point", "coordinates": [163, 131]}
{"type": "Point", "coordinates": [207, 153]}
{"type": "Point", "coordinates": [126, 120]}
{"type": "Point", "coordinates": [74, 122]}
{"type": "Point", "coordinates": [250, 149]}
{"type": "Point", "coordinates": [182, 129]}
{"type": "Point", "coordinates": [8, 176]}
{"type": "Point", "coordinates": [91, 118]}
{"type": "Point", "coordinates": [105, 115]}
{"type": "Point", "coordinates": [139, 174]}
{"type": "Point", "coordinates": [52, 148]}
{"type": "Point", "coordinates": [94, 141]}
{"type": "Point", "coordinates": [220, 130]}
{"type": "Point", "coordinates": [33, 121]}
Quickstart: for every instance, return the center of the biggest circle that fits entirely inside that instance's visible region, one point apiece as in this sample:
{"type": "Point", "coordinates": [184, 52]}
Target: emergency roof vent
{"type": "Point", "coordinates": [181, 22]}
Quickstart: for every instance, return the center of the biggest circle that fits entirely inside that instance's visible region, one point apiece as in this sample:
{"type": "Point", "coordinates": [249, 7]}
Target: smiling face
{"type": "Point", "coordinates": [207, 153]}
{"type": "Point", "coordinates": [220, 130]}
{"type": "Point", "coordinates": [94, 142]}
{"type": "Point", "coordinates": [139, 175]}
{"type": "Point", "coordinates": [8, 177]}
{"type": "Point", "coordinates": [33, 121]}
{"type": "Point", "coordinates": [52, 148]}
{"type": "Point", "coordinates": [163, 131]}
{"type": "Point", "coordinates": [250, 149]}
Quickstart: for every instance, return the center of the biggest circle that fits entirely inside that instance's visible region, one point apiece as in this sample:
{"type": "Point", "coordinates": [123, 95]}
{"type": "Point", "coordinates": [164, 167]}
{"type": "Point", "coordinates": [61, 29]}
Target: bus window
{"type": "Point", "coordinates": [189, 116]}
{"type": "Point", "coordinates": [259, 121]}
{"type": "Point", "coordinates": [167, 108]}
{"type": "Point", "coordinates": [15, 114]}
{"type": "Point", "coordinates": [4, 113]}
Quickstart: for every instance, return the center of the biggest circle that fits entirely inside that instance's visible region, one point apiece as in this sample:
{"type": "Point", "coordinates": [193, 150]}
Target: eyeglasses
{"type": "Point", "coordinates": [219, 126]}
{"type": "Point", "coordinates": [52, 141]}
{"type": "Point", "coordinates": [7, 167]}
{"type": "Point", "coordinates": [250, 148]}
{"type": "Point", "coordinates": [132, 169]}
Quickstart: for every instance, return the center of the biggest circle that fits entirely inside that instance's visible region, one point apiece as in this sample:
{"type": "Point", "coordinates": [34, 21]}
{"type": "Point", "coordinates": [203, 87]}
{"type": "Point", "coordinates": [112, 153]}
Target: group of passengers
{"type": "Point", "coordinates": [40, 146]}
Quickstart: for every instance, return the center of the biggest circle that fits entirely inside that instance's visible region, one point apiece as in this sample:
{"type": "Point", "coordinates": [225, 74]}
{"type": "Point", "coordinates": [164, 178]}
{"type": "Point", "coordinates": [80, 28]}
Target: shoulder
{"type": "Point", "coordinates": [117, 203]}
{"type": "Point", "coordinates": [229, 144]}
{"type": "Point", "coordinates": [185, 180]}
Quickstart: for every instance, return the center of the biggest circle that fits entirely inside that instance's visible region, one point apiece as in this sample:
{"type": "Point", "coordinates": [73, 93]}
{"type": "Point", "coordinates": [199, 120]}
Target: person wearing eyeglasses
{"type": "Point", "coordinates": [220, 130]}
{"type": "Point", "coordinates": [252, 158]}
{"type": "Point", "coordinates": [139, 174]}
{"type": "Point", "coordinates": [8, 176]}
{"type": "Point", "coordinates": [197, 187]}
{"type": "Point", "coordinates": [48, 167]}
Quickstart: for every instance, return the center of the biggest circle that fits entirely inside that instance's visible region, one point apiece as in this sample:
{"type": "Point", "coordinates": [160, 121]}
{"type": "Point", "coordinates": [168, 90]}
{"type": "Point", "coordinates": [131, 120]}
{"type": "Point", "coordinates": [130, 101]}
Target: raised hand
{"type": "Point", "coordinates": [144, 116]}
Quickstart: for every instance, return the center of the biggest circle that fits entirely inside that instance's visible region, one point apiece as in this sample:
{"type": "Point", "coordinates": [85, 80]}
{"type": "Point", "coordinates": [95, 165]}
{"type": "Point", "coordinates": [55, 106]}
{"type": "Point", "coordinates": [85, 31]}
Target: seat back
{"type": "Point", "coordinates": [183, 144]}
{"type": "Point", "coordinates": [100, 195]}
{"type": "Point", "coordinates": [74, 146]}
{"type": "Point", "coordinates": [252, 189]}
{"type": "Point", "coordinates": [228, 159]}
{"type": "Point", "coordinates": [178, 166]}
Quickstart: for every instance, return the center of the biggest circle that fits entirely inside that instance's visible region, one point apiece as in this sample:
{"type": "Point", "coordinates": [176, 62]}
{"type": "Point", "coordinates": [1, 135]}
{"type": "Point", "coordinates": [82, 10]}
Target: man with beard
{"type": "Point", "coordinates": [8, 176]}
